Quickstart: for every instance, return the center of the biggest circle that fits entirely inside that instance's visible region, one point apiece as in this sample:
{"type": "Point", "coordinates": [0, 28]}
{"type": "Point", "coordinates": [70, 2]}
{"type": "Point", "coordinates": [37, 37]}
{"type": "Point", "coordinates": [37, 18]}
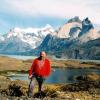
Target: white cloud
{"type": "Point", "coordinates": [56, 8]}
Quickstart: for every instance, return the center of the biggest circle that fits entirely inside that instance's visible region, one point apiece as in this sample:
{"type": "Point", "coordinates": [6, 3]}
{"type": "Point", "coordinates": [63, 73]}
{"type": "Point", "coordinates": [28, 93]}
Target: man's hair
{"type": "Point", "coordinates": [43, 53]}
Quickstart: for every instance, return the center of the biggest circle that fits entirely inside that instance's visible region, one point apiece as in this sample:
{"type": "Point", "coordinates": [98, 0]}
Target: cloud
{"type": "Point", "coordinates": [53, 8]}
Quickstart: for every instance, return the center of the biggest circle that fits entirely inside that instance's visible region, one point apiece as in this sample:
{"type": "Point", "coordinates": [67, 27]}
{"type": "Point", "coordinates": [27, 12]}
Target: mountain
{"type": "Point", "coordinates": [32, 36]}
{"type": "Point", "coordinates": [71, 29]}
{"type": "Point", "coordinates": [88, 31]}
{"type": "Point", "coordinates": [19, 40]}
{"type": "Point", "coordinates": [77, 29]}
{"type": "Point", "coordinates": [86, 26]}
{"type": "Point", "coordinates": [73, 40]}
{"type": "Point", "coordinates": [90, 49]}
{"type": "Point", "coordinates": [92, 34]}
{"type": "Point", "coordinates": [77, 39]}
{"type": "Point", "coordinates": [14, 46]}
{"type": "Point", "coordinates": [1, 38]}
{"type": "Point", "coordinates": [53, 45]}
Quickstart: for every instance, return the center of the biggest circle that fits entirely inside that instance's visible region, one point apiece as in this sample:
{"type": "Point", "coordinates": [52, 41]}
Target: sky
{"type": "Point", "coordinates": [38, 13]}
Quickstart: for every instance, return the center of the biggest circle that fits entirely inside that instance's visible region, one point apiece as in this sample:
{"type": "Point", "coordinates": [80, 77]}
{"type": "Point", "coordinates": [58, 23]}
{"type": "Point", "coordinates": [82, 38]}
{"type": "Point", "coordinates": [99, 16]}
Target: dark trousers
{"type": "Point", "coordinates": [40, 81]}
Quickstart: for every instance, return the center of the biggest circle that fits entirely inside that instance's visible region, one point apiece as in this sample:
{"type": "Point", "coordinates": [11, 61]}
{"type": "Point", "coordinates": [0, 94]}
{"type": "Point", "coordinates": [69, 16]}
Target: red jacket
{"type": "Point", "coordinates": [40, 67]}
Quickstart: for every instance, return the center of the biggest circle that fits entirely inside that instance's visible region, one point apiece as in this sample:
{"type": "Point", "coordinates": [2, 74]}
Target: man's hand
{"type": "Point", "coordinates": [30, 77]}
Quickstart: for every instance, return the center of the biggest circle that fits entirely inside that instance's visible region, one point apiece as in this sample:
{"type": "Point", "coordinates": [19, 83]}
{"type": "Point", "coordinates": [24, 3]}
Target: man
{"type": "Point", "coordinates": [40, 69]}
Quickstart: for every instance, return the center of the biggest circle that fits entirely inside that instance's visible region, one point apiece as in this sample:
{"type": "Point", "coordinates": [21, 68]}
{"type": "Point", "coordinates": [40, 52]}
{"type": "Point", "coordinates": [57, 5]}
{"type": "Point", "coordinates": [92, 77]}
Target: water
{"type": "Point", "coordinates": [60, 75]}
{"type": "Point", "coordinates": [20, 57]}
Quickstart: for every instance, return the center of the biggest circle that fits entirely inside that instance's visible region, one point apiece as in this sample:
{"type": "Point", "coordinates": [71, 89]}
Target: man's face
{"type": "Point", "coordinates": [42, 55]}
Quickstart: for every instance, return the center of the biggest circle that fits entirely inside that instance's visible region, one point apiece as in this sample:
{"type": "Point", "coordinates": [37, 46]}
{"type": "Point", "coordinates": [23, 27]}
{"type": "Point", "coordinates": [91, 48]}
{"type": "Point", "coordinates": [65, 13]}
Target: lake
{"type": "Point", "coordinates": [20, 57]}
{"type": "Point", "coordinates": [60, 75]}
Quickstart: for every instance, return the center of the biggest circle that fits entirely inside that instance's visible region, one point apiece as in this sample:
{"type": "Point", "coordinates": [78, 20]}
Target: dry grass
{"type": "Point", "coordinates": [7, 63]}
{"type": "Point", "coordinates": [73, 64]}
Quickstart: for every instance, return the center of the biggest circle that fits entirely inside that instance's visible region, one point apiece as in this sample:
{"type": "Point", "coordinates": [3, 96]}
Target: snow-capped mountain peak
{"type": "Point", "coordinates": [14, 32]}
{"type": "Point", "coordinates": [32, 36]}
{"type": "Point", "coordinates": [45, 30]}
{"type": "Point", "coordinates": [2, 38]}
{"type": "Point", "coordinates": [48, 29]}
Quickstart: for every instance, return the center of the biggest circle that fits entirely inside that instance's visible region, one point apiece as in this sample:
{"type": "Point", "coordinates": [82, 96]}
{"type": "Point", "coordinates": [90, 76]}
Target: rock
{"type": "Point", "coordinates": [77, 99]}
{"type": "Point", "coordinates": [3, 78]}
{"type": "Point", "coordinates": [4, 82]}
{"type": "Point", "coordinates": [93, 77]}
{"type": "Point", "coordinates": [13, 88]}
{"type": "Point", "coordinates": [89, 77]}
{"type": "Point", "coordinates": [18, 88]}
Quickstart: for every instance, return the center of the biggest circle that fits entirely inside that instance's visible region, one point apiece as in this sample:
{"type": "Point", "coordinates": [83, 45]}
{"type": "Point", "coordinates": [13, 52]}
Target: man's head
{"type": "Point", "coordinates": [42, 55]}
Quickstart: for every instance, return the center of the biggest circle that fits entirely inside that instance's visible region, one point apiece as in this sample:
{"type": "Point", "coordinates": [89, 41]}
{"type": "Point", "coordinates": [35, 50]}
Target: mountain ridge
{"type": "Point", "coordinates": [72, 46]}
{"type": "Point", "coordinates": [28, 39]}
{"type": "Point", "coordinates": [66, 42]}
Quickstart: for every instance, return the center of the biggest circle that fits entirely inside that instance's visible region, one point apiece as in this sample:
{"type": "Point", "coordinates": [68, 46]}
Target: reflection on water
{"type": "Point", "coordinates": [60, 75]}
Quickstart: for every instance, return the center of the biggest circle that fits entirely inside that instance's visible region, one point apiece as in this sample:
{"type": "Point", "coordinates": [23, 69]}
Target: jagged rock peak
{"type": "Point", "coordinates": [87, 22]}
{"type": "Point", "coordinates": [75, 19]}
{"type": "Point", "coordinates": [86, 26]}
